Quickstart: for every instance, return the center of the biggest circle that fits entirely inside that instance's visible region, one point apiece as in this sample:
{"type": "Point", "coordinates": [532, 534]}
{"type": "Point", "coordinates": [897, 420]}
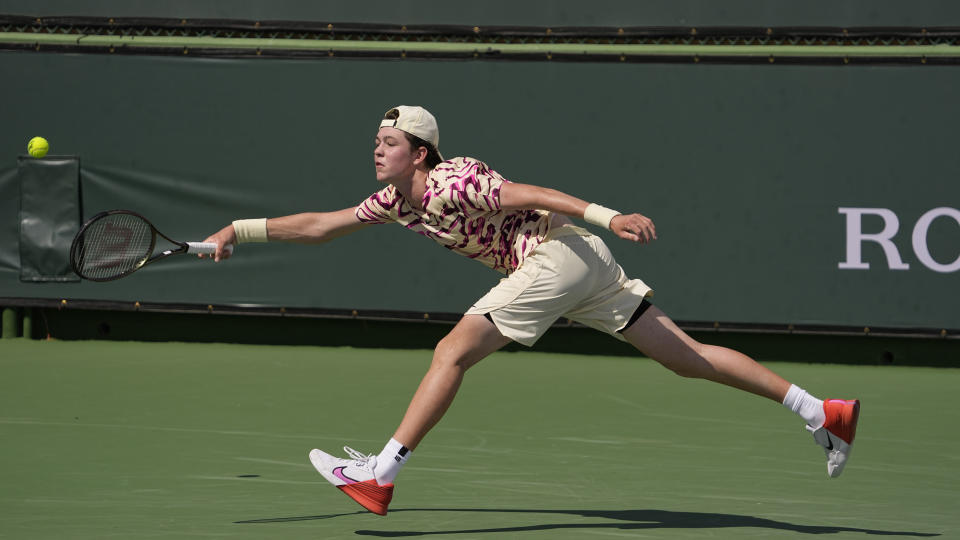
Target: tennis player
{"type": "Point", "coordinates": [553, 269]}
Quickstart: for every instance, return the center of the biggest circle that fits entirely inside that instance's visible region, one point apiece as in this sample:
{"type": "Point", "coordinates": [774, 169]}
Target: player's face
{"type": "Point", "coordinates": [393, 156]}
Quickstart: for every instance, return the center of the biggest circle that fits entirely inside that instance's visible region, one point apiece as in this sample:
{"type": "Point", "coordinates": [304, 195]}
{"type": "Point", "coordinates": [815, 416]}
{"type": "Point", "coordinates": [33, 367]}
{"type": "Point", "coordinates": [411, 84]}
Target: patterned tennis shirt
{"type": "Point", "coordinates": [461, 212]}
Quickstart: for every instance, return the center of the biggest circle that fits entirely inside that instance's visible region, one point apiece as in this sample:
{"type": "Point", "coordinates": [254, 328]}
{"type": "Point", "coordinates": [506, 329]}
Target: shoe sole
{"type": "Point", "coordinates": [370, 495]}
{"type": "Point", "coordinates": [840, 445]}
{"type": "Point", "coordinates": [852, 422]}
{"type": "Point", "coordinates": [847, 428]}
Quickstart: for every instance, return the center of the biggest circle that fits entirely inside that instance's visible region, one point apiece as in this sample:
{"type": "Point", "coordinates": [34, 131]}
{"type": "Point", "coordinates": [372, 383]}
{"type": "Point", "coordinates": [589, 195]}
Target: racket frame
{"type": "Point", "coordinates": [182, 247]}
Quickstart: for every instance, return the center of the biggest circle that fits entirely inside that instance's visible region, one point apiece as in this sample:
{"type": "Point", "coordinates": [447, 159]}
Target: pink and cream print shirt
{"type": "Point", "coordinates": [461, 212]}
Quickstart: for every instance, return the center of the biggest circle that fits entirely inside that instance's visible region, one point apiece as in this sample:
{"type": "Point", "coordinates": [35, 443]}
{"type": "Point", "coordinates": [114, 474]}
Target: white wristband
{"type": "Point", "coordinates": [599, 215]}
{"type": "Point", "coordinates": [250, 230]}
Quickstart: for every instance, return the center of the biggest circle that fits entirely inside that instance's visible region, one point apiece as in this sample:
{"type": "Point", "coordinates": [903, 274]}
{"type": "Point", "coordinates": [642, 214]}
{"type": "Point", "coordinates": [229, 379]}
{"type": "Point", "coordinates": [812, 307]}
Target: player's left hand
{"type": "Point", "coordinates": [635, 227]}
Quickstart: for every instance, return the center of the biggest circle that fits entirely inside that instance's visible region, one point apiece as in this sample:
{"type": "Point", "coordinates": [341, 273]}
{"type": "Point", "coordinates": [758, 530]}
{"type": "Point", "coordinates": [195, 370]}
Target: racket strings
{"type": "Point", "coordinates": [114, 245]}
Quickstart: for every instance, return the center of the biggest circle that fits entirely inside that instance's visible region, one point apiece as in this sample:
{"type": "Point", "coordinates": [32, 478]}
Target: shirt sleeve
{"type": "Point", "coordinates": [473, 188]}
{"type": "Point", "coordinates": [379, 207]}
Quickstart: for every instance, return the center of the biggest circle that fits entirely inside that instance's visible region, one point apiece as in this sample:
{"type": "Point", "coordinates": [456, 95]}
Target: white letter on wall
{"type": "Point", "coordinates": [920, 239]}
{"type": "Point", "coordinates": [856, 237]}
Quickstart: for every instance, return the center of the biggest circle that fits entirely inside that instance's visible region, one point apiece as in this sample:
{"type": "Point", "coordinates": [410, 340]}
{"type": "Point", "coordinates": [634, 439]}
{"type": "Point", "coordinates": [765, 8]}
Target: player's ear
{"type": "Point", "coordinates": [420, 155]}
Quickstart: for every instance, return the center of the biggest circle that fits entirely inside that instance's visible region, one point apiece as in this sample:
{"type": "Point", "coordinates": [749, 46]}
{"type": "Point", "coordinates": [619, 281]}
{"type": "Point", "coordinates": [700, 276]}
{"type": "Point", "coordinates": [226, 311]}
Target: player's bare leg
{"type": "Point", "coordinates": [832, 422]}
{"type": "Point", "coordinates": [368, 479]}
{"type": "Point", "coordinates": [471, 340]}
{"type": "Point", "coordinates": [661, 339]}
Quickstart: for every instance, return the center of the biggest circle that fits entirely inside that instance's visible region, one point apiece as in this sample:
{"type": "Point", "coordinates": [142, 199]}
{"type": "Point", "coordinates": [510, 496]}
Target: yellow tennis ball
{"type": "Point", "coordinates": [38, 147]}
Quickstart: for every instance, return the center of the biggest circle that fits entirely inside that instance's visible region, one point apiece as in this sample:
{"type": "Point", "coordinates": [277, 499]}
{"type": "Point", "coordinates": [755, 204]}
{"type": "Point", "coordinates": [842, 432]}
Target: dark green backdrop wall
{"type": "Point", "coordinates": [745, 170]}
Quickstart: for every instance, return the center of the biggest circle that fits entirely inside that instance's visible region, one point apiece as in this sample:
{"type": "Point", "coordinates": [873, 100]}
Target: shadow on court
{"type": "Point", "coordinates": [629, 520]}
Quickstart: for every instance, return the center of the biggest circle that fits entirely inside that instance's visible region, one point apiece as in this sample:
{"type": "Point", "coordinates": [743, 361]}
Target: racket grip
{"type": "Point", "coordinates": [206, 248]}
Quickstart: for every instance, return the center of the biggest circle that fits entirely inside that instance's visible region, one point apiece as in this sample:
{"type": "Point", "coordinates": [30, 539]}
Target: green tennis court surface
{"type": "Point", "coordinates": [134, 440]}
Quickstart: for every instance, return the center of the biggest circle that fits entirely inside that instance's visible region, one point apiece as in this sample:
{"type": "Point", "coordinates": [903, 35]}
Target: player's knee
{"type": "Point", "coordinates": [448, 355]}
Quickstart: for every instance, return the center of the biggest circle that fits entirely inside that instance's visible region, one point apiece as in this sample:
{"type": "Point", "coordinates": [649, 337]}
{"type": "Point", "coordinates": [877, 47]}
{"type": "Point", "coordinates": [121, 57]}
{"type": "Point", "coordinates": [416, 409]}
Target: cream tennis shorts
{"type": "Point", "coordinates": [571, 274]}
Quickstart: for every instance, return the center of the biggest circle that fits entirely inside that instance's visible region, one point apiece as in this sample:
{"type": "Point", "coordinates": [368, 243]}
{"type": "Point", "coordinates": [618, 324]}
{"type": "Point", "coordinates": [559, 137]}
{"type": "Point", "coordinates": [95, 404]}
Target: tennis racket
{"type": "Point", "coordinates": [117, 243]}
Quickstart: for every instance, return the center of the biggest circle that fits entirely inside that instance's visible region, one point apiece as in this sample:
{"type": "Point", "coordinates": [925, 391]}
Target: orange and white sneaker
{"type": "Point", "coordinates": [837, 433]}
{"type": "Point", "coordinates": [355, 477]}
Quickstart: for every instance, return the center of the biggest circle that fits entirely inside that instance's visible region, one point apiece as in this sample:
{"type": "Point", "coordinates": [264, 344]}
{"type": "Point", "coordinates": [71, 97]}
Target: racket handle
{"type": "Point", "coordinates": [206, 248]}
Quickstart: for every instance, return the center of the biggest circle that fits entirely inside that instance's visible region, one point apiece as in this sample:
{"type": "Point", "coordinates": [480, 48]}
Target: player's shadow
{"type": "Point", "coordinates": [623, 520]}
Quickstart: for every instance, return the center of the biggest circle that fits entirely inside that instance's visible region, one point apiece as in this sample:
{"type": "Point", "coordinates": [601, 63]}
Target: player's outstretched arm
{"type": "Point", "coordinates": [313, 227]}
{"type": "Point", "coordinates": [514, 196]}
{"type": "Point", "coordinates": [305, 228]}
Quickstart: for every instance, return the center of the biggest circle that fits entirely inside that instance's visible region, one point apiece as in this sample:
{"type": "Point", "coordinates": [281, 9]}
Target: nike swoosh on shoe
{"type": "Point", "coordinates": [338, 472]}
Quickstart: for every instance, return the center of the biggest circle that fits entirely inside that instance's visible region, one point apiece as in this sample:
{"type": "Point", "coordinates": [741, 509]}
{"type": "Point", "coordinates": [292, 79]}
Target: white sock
{"type": "Point", "coordinates": [390, 461]}
{"type": "Point", "coordinates": [808, 407]}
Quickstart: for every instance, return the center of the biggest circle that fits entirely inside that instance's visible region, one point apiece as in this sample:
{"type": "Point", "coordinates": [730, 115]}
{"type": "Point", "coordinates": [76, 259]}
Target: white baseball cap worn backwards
{"type": "Point", "coordinates": [416, 121]}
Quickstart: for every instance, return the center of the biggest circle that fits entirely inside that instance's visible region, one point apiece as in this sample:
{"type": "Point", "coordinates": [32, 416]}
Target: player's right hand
{"type": "Point", "coordinates": [225, 239]}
